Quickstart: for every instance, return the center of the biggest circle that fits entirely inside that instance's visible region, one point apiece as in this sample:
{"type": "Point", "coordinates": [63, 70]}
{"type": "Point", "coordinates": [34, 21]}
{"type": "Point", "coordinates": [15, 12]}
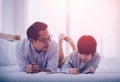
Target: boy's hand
{"type": "Point", "coordinates": [91, 70]}
{"type": "Point", "coordinates": [73, 71]}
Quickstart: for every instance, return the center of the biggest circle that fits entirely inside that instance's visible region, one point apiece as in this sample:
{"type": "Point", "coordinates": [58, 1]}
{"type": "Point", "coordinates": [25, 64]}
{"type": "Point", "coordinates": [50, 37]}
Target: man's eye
{"type": "Point", "coordinates": [43, 40]}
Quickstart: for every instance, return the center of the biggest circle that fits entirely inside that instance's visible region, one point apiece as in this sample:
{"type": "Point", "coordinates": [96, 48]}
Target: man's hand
{"type": "Point", "coordinates": [73, 71]}
{"type": "Point", "coordinates": [32, 68]}
{"type": "Point", "coordinates": [28, 69]}
{"type": "Point", "coordinates": [35, 68]}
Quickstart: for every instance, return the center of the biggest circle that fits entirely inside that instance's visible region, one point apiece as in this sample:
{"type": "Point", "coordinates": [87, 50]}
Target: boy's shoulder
{"type": "Point", "coordinates": [73, 54]}
{"type": "Point", "coordinates": [97, 55]}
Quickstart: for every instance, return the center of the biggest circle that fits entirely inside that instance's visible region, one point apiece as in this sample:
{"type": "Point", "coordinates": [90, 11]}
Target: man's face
{"type": "Point", "coordinates": [42, 43]}
{"type": "Point", "coordinates": [85, 58]}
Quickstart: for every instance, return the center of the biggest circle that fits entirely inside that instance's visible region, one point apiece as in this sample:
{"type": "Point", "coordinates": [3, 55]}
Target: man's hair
{"type": "Point", "coordinates": [33, 30]}
{"type": "Point", "coordinates": [86, 45]}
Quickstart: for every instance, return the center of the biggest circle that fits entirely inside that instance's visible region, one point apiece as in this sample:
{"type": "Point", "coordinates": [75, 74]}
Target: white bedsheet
{"type": "Point", "coordinates": [11, 74]}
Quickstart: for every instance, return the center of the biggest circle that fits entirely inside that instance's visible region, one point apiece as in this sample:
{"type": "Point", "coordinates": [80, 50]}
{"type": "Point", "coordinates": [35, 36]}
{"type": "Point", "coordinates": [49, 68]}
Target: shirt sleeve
{"type": "Point", "coordinates": [21, 58]}
{"type": "Point", "coordinates": [94, 63]}
{"type": "Point", "coordinates": [52, 62]}
{"type": "Point", "coordinates": [67, 66]}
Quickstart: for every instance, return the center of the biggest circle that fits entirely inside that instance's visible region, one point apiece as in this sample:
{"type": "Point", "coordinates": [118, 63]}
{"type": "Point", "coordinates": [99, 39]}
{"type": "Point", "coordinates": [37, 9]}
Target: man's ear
{"type": "Point", "coordinates": [31, 40]}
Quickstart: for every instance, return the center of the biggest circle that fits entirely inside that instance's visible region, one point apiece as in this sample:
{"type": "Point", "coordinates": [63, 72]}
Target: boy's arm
{"type": "Point", "coordinates": [94, 64]}
{"type": "Point", "coordinates": [67, 65]}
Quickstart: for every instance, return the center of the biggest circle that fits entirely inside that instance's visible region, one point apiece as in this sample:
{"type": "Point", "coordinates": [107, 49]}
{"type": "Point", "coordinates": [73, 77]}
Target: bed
{"type": "Point", "coordinates": [108, 71]}
{"type": "Point", "coordinates": [11, 74]}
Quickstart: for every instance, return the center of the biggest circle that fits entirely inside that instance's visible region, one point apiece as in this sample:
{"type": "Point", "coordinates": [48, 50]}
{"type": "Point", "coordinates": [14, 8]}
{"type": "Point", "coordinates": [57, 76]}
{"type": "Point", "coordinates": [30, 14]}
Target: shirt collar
{"type": "Point", "coordinates": [34, 51]}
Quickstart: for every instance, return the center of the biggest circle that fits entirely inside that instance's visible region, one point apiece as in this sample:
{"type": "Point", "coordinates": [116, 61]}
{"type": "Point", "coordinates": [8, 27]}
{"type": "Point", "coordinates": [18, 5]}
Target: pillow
{"type": "Point", "coordinates": [109, 65]}
{"type": "Point", "coordinates": [4, 60]}
{"type": "Point", "coordinates": [11, 53]}
{"type": "Point", "coordinates": [7, 52]}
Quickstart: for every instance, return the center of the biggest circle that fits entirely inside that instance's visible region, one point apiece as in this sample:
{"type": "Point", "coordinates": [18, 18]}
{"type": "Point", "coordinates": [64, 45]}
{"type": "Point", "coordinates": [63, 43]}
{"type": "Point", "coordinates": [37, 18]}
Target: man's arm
{"type": "Point", "coordinates": [52, 62]}
{"type": "Point", "coordinates": [24, 63]}
{"type": "Point", "coordinates": [22, 60]}
{"type": "Point", "coordinates": [36, 68]}
{"type": "Point", "coordinates": [44, 70]}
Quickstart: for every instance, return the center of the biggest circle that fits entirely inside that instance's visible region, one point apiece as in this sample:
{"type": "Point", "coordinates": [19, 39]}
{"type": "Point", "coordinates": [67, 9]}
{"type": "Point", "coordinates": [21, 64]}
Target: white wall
{"type": "Point", "coordinates": [21, 17]}
{"type": "Point", "coordinates": [14, 16]}
{"type": "Point", "coordinates": [0, 14]}
{"type": "Point", "coordinates": [101, 19]}
{"type": "Point", "coordinates": [8, 16]}
{"type": "Point", "coordinates": [52, 12]}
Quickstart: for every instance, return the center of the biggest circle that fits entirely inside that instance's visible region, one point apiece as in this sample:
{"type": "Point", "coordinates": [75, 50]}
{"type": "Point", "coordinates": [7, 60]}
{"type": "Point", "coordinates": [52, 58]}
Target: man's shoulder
{"type": "Point", "coordinates": [22, 48]}
{"type": "Point", "coordinates": [53, 48]}
{"type": "Point", "coordinates": [53, 44]}
{"type": "Point", "coordinates": [24, 43]}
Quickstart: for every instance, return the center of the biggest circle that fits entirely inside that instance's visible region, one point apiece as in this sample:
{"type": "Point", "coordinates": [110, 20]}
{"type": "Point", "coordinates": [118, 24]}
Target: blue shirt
{"type": "Point", "coordinates": [47, 59]}
{"type": "Point", "coordinates": [76, 62]}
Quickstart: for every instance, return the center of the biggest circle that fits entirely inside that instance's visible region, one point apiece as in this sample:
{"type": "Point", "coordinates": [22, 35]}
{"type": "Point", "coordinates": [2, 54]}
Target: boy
{"type": "Point", "coordinates": [85, 59]}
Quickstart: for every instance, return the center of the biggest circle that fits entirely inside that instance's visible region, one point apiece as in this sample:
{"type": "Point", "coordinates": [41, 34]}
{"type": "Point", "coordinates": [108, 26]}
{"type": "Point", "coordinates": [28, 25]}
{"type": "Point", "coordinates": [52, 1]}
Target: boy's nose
{"type": "Point", "coordinates": [85, 59]}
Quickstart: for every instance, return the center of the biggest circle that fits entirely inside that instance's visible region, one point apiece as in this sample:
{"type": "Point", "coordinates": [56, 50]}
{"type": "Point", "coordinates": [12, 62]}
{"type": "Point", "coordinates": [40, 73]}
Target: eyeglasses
{"type": "Point", "coordinates": [45, 40]}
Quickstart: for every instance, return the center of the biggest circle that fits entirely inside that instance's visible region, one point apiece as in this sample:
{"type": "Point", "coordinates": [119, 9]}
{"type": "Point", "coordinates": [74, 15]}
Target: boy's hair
{"type": "Point", "coordinates": [33, 30]}
{"type": "Point", "coordinates": [86, 45]}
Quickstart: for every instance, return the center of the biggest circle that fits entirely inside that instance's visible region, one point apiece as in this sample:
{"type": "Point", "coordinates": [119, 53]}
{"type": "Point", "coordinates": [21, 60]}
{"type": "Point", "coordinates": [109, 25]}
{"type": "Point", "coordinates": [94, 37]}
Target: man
{"type": "Point", "coordinates": [38, 52]}
{"type": "Point", "coordinates": [85, 59]}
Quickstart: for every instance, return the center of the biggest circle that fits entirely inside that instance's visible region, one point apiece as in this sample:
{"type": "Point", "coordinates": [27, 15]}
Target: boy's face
{"type": "Point", "coordinates": [85, 57]}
